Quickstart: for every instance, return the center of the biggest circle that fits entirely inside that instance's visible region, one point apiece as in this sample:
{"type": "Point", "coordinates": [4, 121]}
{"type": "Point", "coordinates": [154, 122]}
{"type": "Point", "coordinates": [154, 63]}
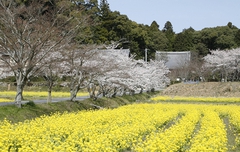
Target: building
{"type": "Point", "coordinates": [178, 63]}
{"type": "Point", "coordinates": [174, 60]}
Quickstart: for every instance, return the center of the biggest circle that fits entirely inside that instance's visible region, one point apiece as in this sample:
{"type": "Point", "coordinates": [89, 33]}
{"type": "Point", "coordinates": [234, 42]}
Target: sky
{"type": "Point", "coordinates": [183, 14]}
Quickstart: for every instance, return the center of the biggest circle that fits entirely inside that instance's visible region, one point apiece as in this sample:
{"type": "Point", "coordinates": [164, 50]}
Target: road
{"type": "Point", "coordinates": [37, 101]}
{"type": "Point", "coordinates": [44, 100]}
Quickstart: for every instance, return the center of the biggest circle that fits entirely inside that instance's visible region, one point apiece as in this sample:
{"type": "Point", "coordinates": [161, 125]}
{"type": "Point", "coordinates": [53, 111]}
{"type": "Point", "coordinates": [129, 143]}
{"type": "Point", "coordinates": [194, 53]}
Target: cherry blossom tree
{"type": "Point", "coordinates": [149, 75]}
{"type": "Point", "coordinates": [119, 73]}
{"type": "Point", "coordinates": [104, 72]}
{"type": "Point", "coordinates": [223, 61]}
{"type": "Point", "coordinates": [28, 34]}
{"type": "Point", "coordinates": [50, 70]}
{"type": "Point", "coordinates": [74, 65]}
{"type": "Point", "coordinates": [108, 72]}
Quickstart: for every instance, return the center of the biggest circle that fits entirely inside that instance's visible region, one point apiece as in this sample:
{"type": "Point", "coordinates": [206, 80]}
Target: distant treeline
{"type": "Point", "coordinates": [111, 26]}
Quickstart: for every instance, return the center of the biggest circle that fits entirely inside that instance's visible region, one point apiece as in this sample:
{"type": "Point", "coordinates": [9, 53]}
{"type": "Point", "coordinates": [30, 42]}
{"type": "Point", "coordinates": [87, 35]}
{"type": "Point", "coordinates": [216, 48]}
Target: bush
{"type": "Point", "coordinates": [9, 79]}
{"type": "Point", "coordinates": [31, 103]}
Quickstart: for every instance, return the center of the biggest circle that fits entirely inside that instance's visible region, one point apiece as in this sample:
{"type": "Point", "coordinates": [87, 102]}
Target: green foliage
{"type": "Point", "coordinates": [9, 79]}
{"type": "Point", "coordinates": [201, 42]}
{"type": "Point", "coordinates": [237, 38]}
{"type": "Point", "coordinates": [184, 41]}
{"type": "Point", "coordinates": [104, 26]}
{"type": "Point", "coordinates": [37, 79]}
{"type": "Point", "coordinates": [30, 103]}
{"type": "Point", "coordinates": [105, 11]}
{"type": "Point", "coordinates": [221, 37]}
{"type": "Point", "coordinates": [113, 26]}
{"type": "Point", "coordinates": [138, 37]}
{"type": "Point", "coordinates": [168, 30]}
{"type": "Point", "coordinates": [157, 40]}
{"type": "Point", "coordinates": [201, 49]}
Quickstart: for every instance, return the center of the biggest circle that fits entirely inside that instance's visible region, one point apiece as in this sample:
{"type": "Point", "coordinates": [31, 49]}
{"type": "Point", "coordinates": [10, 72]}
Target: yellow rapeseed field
{"type": "Point", "coordinates": [137, 127]}
{"type": "Point", "coordinates": [196, 99]}
{"type": "Point", "coordinates": [41, 94]}
{"type": "Point", "coordinates": [5, 100]}
{"type": "Point", "coordinates": [36, 94]}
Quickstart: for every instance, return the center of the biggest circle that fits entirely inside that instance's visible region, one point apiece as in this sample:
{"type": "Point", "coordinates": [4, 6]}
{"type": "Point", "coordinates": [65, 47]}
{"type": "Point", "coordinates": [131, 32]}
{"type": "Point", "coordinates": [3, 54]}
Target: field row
{"type": "Point", "coordinates": [197, 99]}
{"type": "Point", "coordinates": [138, 127]}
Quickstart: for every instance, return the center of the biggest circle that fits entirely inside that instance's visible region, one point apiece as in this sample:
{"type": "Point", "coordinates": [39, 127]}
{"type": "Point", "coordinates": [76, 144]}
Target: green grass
{"type": "Point", "coordinates": [31, 110]}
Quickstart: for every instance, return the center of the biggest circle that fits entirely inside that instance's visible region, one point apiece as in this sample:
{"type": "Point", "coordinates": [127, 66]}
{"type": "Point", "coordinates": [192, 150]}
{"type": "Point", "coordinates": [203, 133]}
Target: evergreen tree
{"type": "Point", "coordinates": [184, 41]}
{"type": "Point", "coordinates": [168, 30]}
{"type": "Point", "coordinates": [223, 38]}
{"type": "Point", "coordinates": [137, 38]}
{"type": "Point", "coordinates": [237, 38]}
{"type": "Point", "coordinates": [154, 26]}
{"type": "Point", "coordinates": [104, 10]}
{"type": "Point", "coordinates": [157, 40]}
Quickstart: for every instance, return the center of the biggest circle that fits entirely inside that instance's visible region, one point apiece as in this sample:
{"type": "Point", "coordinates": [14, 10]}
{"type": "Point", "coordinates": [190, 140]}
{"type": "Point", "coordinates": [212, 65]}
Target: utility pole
{"type": "Point", "coordinates": [145, 54]}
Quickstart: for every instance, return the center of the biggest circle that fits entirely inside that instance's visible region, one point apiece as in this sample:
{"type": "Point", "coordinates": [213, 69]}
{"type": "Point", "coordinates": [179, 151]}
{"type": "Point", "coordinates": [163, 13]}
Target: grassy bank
{"type": "Point", "coordinates": [31, 110]}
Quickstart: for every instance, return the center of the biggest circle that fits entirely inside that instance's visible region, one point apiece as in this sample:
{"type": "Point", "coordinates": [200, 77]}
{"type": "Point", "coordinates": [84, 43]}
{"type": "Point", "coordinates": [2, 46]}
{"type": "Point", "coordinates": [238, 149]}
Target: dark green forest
{"type": "Point", "coordinates": [105, 27]}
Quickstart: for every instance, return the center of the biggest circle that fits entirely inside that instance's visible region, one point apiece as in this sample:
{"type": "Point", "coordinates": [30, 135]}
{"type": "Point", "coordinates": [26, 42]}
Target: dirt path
{"type": "Point", "coordinates": [230, 135]}
{"type": "Point", "coordinates": [206, 89]}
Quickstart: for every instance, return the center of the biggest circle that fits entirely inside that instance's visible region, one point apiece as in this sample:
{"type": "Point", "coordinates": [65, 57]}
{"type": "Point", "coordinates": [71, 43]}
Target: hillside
{"type": "Point", "coordinates": [208, 89]}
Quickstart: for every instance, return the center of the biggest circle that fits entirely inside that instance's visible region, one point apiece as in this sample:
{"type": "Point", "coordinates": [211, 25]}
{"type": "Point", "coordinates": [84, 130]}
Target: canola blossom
{"type": "Point", "coordinates": [212, 134]}
{"type": "Point", "coordinates": [36, 94]}
{"type": "Point", "coordinates": [196, 99]}
{"type": "Point", "coordinates": [234, 115]}
{"type": "Point", "coordinates": [174, 138]}
{"type": "Point", "coordinates": [5, 100]}
{"type": "Point", "coordinates": [137, 127]}
{"type": "Point", "coordinates": [41, 94]}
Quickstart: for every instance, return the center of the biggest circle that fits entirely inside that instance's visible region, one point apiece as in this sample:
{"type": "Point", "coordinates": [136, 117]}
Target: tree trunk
{"type": "Point", "coordinates": [49, 100]}
{"type": "Point", "coordinates": [91, 90]}
{"type": "Point", "coordinates": [74, 88]}
{"type": "Point", "coordinates": [21, 81]}
{"type": "Point", "coordinates": [114, 92]}
{"type": "Point", "coordinates": [73, 93]}
{"type": "Point", "coordinates": [102, 91]}
{"type": "Point", "coordinates": [19, 96]}
{"type": "Point", "coordinates": [226, 77]}
{"type": "Point", "coordinates": [50, 85]}
{"type": "Point", "coordinates": [141, 91]}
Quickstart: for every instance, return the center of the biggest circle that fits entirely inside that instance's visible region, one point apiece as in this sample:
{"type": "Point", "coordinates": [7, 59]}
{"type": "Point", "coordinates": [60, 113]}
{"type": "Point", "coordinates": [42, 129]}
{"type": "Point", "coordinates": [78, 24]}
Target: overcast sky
{"type": "Point", "coordinates": [197, 14]}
